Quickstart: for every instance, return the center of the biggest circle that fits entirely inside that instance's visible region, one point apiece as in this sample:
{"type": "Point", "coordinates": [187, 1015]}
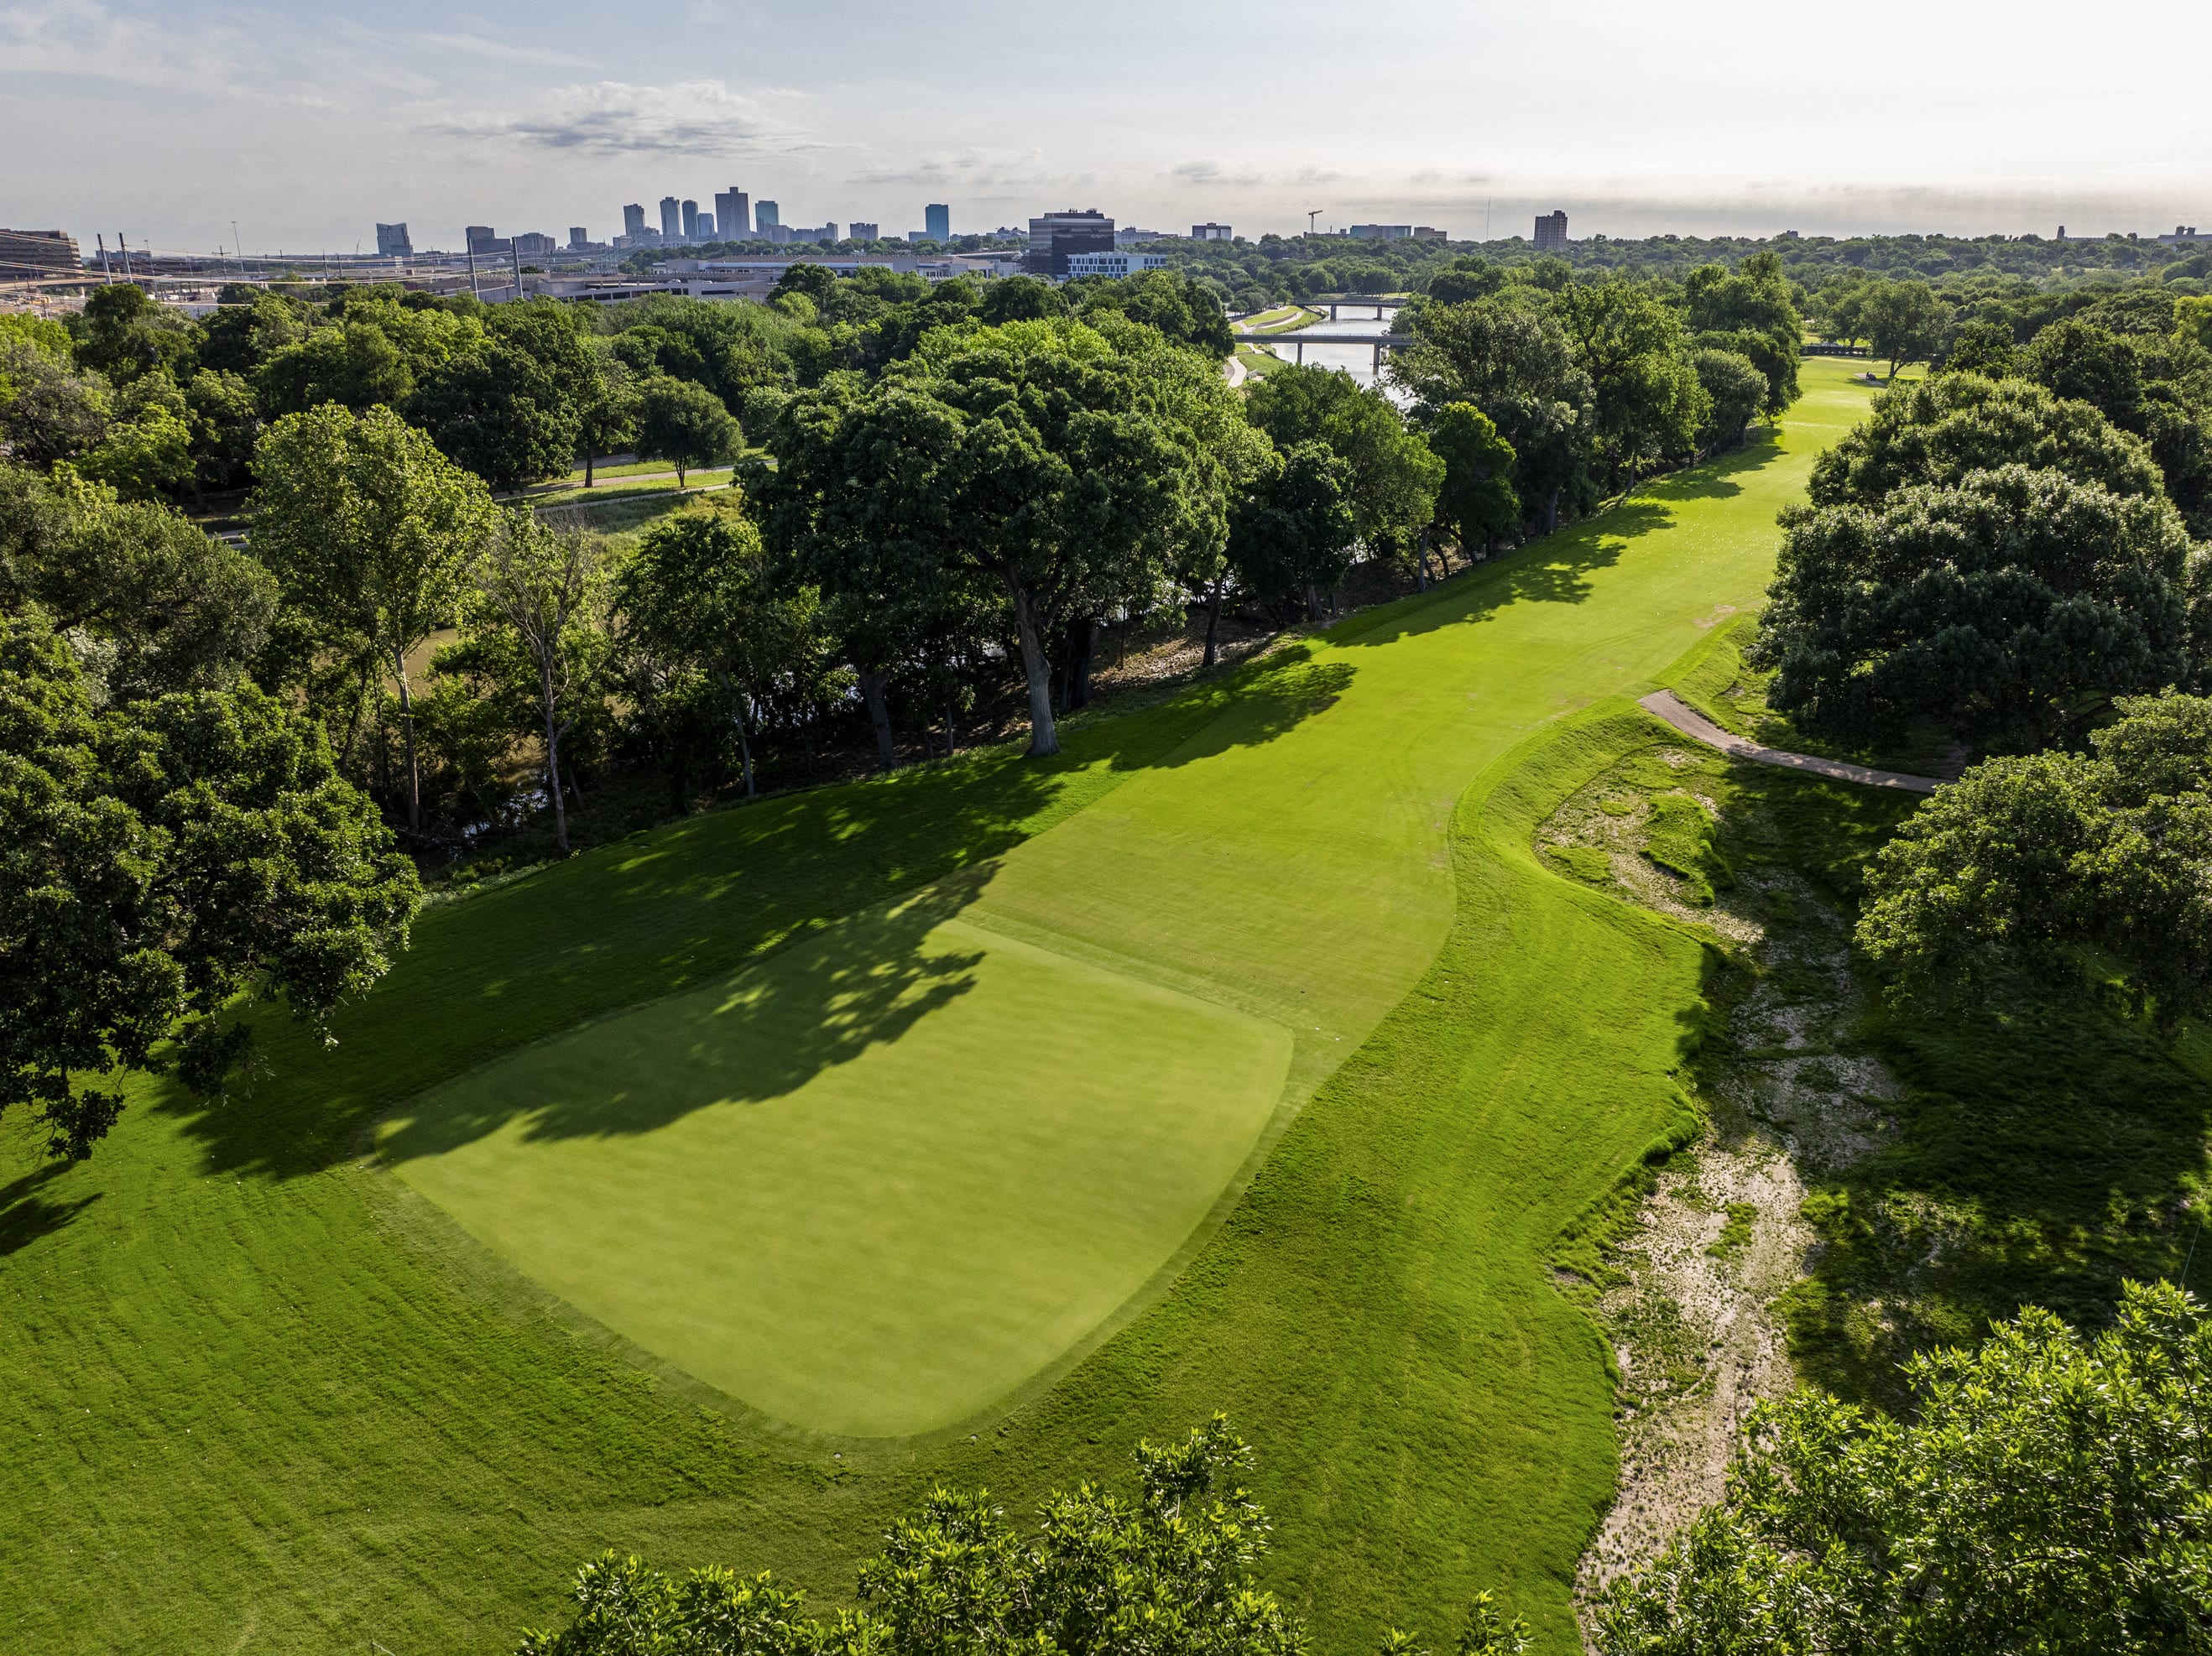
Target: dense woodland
{"type": "Point", "coordinates": [223, 761]}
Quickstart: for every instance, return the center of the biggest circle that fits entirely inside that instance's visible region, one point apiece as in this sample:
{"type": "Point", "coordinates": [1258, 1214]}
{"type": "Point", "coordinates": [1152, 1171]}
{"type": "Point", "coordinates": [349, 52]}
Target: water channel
{"type": "Point", "coordinates": [1357, 361]}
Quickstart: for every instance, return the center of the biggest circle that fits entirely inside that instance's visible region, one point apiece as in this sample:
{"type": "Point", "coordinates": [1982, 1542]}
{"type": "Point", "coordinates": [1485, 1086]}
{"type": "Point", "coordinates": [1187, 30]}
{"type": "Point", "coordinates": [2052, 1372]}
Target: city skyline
{"type": "Point", "coordinates": [169, 122]}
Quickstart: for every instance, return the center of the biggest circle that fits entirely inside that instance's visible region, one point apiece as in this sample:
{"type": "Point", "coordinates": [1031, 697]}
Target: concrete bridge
{"type": "Point", "coordinates": [1304, 337]}
{"type": "Point", "coordinates": [1381, 303]}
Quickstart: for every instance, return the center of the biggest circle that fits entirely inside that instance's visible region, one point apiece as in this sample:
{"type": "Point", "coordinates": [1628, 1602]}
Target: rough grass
{"type": "Point", "coordinates": [292, 1405]}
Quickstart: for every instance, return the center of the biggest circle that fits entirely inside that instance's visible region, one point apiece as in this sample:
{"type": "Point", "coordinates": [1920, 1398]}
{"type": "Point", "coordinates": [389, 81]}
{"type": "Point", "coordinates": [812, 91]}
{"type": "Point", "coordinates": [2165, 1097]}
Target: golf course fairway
{"type": "Point", "coordinates": [756, 1175]}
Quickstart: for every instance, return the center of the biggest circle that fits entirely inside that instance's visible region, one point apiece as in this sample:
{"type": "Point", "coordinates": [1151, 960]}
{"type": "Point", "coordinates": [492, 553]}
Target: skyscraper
{"type": "Point", "coordinates": [937, 221]}
{"type": "Point", "coordinates": [733, 214]}
{"type": "Point", "coordinates": [391, 240]}
{"type": "Point", "coordinates": [861, 230]}
{"type": "Point", "coordinates": [1056, 236]}
{"type": "Point", "coordinates": [672, 218]}
{"type": "Point", "coordinates": [481, 238]}
{"type": "Point", "coordinates": [690, 220]}
{"type": "Point", "coordinates": [633, 220]}
{"type": "Point", "coordinates": [1552, 233]}
{"type": "Point", "coordinates": [579, 237]}
{"type": "Point", "coordinates": [765, 215]}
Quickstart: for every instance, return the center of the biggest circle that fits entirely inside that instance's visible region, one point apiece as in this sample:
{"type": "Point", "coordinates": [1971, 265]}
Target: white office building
{"type": "Point", "coordinates": [1113, 264]}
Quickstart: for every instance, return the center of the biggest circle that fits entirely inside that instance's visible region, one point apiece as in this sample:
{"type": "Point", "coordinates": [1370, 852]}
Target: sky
{"type": "Point", "coordinates": [305, 125]}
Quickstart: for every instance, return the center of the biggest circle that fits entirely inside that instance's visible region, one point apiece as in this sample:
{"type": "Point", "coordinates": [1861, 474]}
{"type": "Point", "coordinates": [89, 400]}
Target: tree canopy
{"type": "Point", "coordinates": [156, 860]}
{"type": "Point", "coordinates": [2046, 1493]}
{"type": "Point", "coordinates": [2042, 869]}
{"type": "Point", "coordinates": [2008, 604]}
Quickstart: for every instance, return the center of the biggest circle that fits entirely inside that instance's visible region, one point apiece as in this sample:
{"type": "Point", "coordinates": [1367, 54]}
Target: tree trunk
{"type": "Point", "coordinates": [407, 731]}
{"type": "Point", "coordinates": [553, 759]}
{"type": "Point", "coordinates": [1082, 645]}
{"type": "Point", "coordinates": [1044, 739]}
{"type": "Point", "coordinates": [871, 688]}
{"type": "Point", "coordinates": [679, 477]}
{"type": "Point", "coordinates": [1313, 602]}
{"type": "Point", "coordinates": [1421, 563]}
{"type": "Point", "coordinates": [1551, 514]}
{"type": "Point", "coordinates": [1213, 621]}
{"type": "Point", "coordinates": [951, 733]}
{"type": "Point", "coordinates": [588, 465]}
{"type": "Point", "coordinates": [746, 751]}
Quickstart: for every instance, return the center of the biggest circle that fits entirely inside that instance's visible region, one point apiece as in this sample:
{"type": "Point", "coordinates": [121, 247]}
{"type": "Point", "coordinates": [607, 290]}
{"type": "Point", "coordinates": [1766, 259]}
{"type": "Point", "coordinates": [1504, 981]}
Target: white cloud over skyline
{"type": "Point", "coordinates": [170, 121]}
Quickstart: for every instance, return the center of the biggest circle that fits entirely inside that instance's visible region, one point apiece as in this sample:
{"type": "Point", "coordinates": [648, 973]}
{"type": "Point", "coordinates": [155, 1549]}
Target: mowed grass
{"type": "Point", "coordinates": [850, 1187]}
{"type": "Point", "coordinates": [292, 1405]}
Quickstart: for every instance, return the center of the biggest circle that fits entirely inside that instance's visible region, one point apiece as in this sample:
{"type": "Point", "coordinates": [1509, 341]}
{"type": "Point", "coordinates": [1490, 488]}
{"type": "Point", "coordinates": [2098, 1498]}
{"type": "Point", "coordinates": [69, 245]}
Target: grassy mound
{"type": "Point", "coordinates": [298, 1403]}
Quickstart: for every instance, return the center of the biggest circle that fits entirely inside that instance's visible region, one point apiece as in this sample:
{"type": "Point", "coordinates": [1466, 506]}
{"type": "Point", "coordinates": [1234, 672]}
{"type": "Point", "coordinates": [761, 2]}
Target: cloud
{"type": "Point", "coordinates": [500, 52]}
{"type": "Point", "coordinates": [1213, 173]}
{"type": "Point", "coordinates": [614, 117]}
{"type": "Point", "coordinates": [974, 167]}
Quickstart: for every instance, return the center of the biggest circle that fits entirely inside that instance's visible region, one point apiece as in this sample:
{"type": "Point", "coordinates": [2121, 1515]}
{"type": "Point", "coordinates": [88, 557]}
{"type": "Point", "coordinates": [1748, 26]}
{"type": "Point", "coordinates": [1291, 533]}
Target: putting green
{"type": "Point", "coordinates": [852, 1186]}
{"type": "Point", "coordinates": [875, 1183]}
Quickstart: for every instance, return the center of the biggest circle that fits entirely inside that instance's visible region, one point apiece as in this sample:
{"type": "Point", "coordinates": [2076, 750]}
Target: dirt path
{"type": "Point", "coordinates": [1692, 724]}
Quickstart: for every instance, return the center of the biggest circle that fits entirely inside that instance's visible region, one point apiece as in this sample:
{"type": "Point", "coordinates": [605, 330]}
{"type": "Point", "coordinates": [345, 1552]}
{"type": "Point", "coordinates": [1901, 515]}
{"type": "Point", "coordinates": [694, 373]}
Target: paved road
{"type": "Point", "coordinates": [1695, 724]}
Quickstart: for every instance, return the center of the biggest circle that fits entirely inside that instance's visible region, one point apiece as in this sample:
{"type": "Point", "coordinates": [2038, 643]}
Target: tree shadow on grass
{"type": "Point", "coordinates": [1556, 569]}
{"type": "Point", "coordinates": [26, 1215]}
{"type": "Point", "coordinates": [764, 1034]}
{"type": "Point", "coordinates": [683, 906]}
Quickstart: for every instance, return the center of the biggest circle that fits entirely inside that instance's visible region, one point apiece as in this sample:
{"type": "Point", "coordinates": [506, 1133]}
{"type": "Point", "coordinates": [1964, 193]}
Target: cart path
{"type": "Point", "coordinates": [1671, 707]}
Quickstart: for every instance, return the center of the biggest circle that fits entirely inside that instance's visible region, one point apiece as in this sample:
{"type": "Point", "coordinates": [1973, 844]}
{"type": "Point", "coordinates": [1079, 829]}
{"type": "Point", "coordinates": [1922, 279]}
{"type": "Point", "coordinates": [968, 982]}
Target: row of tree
{"type": "Point", "coordinates": [2046, 1495]}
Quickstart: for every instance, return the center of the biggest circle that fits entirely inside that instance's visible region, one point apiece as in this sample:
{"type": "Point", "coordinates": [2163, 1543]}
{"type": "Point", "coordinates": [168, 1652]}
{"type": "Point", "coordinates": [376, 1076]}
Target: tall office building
{"type": "Point", "coordinates": [766, 215]}
{"type": "Point", "coordinates": [733, 214]}
{"type": "Point", "coordinates": [633, 220]}
{"type": "Point", "coordinates": [392, 241]}
{"type": "Point", "coordinates": [672, 218]}
{"type": "Point", "coordinates": [1210, 232]}
{"type": "Point", "coordinates": [480, 238]}
{"type": "Point", "coordinates": [1057, 237]}
{"type": "Point", "coordinates": [690, 220]}
{"type": "Point", "coordinates": [579, 237]}
{"type": "Point", "coordinates": [861, 230]}
{"type": "Point", "coordinates": [1552, 233]}
{"type": "Point", "coordinates": [936, 222]}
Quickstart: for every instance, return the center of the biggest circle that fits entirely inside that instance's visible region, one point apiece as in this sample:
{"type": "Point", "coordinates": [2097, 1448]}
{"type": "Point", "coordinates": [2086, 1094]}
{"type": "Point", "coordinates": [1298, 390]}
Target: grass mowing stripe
{"type": "Point", "coordinates": [293, 1406]}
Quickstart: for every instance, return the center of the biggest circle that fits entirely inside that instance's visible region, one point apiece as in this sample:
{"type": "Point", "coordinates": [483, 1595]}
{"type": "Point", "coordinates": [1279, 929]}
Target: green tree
{"type": "Point", "coordinates": [225, 422]}
{"type": "Point", "coordinates": [1753, 313]}
{"type": "Point", "coordinates": [1513, 359]}
{"type": "Point", "coordinates": [683, 424]}
{"type": "Point", "coordinates": [2008, 605]}
{"type": "Point", "coordinates": [1393, 476]}
{"type": "Point", "coordinates": [1983, 347]}
{"type": "Point", "coordinates": [1186, 312]}
{"type": "Point", "coordinates": [606, 419]}
{"type": "Point", "coordinates": [158, 604]}
{"type": "Point", "coordinates": [1020, 299]}
{"type": "Point", "coordinates": [1475, 503]}
{"type": "Point", "coordinates": [1904, 322]}
{"type": "Point", "coordinates": [48, 412]}
{"type": "Point", "coordinates": [1939, 430]}
{"type": "Point", "coordinates": [1292, 535]}
{"type": "Point", "coordinates": [1168, 1574]}
{"type": "Point", "coordinates": [502, 413]}
{"type": "Point", "coordinates": [146, 458]}
{"type": "Point", "coordinates": [371, 532]}
{"type": "Point", "coordinates": [2046, 1493]}
{"type": "Point", "coordinates": [158, 861]}
{"type": "Point", "coordinates": [847, 512]}
{"type": "Point", "coordinates": [700, 594]}
{"type": "Point", "coordinates": [1632, 344]}
{"type": "Point", "coordinates": [2026, 870]}
{"type": "Point", "coordinates": [548, 591]}
{"type": "Point", "coordinates": [1736, 392]}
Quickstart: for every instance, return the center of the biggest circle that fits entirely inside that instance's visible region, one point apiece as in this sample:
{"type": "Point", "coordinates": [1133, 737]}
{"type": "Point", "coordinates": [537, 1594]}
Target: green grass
{"type": "Point", "coordinates": [821, 1184]}
{"type": "Point", "coordinates": [297, 1401]}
